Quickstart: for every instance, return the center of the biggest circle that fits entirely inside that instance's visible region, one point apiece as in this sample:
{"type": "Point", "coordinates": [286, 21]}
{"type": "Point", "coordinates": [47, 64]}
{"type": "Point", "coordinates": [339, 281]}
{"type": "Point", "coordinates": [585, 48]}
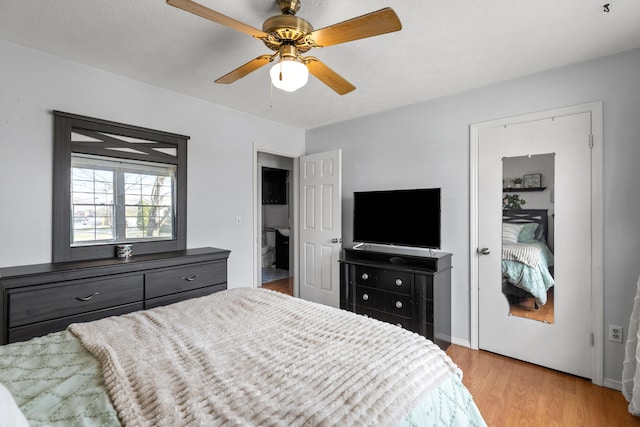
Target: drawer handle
{"type": "Point", "coordinates": [88, 298]}
{"type": "Point", "coordinates": [190, 279]}
{"type": "Point", "coordinates": [365, 276]}
{"type": "Point", "coordinates": [365, 297]}
{"type": "Point", "coordinates": [398, 304]}
{"type": "Point", "coordinates": [398, 282]}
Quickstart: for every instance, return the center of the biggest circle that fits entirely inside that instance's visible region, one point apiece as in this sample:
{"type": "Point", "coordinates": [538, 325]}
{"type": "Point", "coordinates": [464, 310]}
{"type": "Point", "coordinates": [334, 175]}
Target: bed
{"type": "Point", "coordinates": [237, 357]}
{"type": "Point", "coordinates": [527, 260]}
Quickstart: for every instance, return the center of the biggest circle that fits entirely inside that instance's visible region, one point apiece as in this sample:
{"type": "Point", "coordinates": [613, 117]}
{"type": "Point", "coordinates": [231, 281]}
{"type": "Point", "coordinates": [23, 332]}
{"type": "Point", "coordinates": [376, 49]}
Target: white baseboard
{"type": "Point", "coordinates": [609, 383]}
{"type": "Point", "coordinates": [461, 342]}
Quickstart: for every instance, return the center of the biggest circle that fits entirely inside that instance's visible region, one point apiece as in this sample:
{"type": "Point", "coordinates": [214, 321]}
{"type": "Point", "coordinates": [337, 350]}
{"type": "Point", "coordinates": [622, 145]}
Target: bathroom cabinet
{"type": "Point", "coordinates": [274, 186]}
{"type": "Point", "coordinates": [282, 251]}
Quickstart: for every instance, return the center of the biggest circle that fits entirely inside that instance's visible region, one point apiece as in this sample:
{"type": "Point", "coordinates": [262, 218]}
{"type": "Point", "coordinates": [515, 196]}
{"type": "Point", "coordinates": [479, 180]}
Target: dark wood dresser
{"type": "Point", "coordinates": [413, 292]}
{"type": "Point", "coordinates": [43, 298]}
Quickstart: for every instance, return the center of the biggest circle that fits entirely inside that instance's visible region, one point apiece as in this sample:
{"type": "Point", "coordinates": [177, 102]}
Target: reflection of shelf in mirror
{"type": "Point", "coordinates": [521, 190]}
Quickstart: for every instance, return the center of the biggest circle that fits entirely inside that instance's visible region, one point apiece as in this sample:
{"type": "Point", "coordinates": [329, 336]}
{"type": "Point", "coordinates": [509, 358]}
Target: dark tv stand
{"type": "Point", "coordinates": [411, 291]}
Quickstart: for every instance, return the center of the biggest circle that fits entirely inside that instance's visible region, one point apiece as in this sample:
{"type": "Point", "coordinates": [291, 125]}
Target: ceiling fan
{"type": "Point", "coordinates": [289, 36]}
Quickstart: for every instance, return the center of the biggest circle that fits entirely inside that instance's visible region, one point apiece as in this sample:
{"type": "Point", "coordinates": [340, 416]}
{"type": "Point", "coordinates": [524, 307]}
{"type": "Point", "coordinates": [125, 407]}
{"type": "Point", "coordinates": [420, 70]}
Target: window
{"type": "Point", "coordinates": [114, 184]}
{"type": "Point", "coordinates": [116, 201]}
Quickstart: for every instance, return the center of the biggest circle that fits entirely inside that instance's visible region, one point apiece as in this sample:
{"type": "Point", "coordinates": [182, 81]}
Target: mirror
{"type": "Point", "coordinates": [527, 236]}
{"type": "Point", "coordinates": [115, 183]}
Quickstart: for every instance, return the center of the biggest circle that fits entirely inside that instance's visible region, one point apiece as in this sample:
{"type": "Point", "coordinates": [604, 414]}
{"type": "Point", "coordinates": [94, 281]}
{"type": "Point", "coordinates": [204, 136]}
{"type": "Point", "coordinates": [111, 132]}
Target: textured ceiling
{"type": "Point", "coordinates": [444, 47]}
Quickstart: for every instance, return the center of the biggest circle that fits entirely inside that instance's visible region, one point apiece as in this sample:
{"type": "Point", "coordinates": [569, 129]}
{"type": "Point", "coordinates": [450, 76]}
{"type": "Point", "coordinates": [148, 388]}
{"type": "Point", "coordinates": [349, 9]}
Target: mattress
{"type": "Point", "coordinates": [57, 382]}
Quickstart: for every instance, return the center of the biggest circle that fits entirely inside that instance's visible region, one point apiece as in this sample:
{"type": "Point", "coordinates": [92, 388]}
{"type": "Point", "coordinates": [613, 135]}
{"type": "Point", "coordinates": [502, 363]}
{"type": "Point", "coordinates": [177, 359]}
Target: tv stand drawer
{"type": "Point", "coordinates": [392, 303]}
{"type": "Point", "coordinates": [389, 280]}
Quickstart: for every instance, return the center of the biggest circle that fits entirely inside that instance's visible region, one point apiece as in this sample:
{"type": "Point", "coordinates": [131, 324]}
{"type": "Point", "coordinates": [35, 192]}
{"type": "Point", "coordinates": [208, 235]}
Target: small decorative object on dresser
{"type": "Point", "coordinates": [532, 181]}
{"type": "Point", "coordinates": [410, 291]}
{"type": "Point", "coordinates": [124, 251]}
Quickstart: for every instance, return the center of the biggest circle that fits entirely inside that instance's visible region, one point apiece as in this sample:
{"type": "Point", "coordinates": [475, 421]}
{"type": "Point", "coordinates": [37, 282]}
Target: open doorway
{"type": "Point", "coordinates": [276, 212]}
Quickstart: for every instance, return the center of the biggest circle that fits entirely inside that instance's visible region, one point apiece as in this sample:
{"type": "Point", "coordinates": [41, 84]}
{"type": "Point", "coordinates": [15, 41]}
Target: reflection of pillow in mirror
{"type": "Point", "coordinates": [528, 232]}
{"type": "Point", "coordinates": [510, 232]}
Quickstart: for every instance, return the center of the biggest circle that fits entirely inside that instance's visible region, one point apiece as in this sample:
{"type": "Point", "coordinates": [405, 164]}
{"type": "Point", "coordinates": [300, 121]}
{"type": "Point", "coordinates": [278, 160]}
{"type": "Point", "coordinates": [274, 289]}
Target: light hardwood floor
{"type": "Point", "coordinates": [509, 392]}
{"type": "Point", "coordinates": [282, 285]}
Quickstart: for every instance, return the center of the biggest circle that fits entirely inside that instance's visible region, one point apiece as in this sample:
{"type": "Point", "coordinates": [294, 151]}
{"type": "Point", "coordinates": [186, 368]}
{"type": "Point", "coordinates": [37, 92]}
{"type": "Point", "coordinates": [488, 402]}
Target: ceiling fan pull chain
{"type": "Point", "coordinates": [270, 94]}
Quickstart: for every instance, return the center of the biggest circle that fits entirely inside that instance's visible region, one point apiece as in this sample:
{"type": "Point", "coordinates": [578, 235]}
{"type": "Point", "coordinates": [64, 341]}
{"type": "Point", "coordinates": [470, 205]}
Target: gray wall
{"type": "Point", "coordinates": [427, 145]}
{"type": "Point", "coordinates": [220, 152]}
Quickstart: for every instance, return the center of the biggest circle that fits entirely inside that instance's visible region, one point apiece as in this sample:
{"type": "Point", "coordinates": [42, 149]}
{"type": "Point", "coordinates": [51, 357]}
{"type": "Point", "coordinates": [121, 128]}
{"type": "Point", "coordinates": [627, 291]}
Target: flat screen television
{"type": "Point", "coordinates": [398, 217]}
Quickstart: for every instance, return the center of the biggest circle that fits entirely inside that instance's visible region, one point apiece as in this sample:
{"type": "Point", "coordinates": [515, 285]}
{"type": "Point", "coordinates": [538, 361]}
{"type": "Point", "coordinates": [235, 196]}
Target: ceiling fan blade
{"type": "Point", "coordinates": [372, 24]}
{"type": "Point", "coordinates": [327, 76]}
{"type": "Point", "coordinates": [245, 69]}
{"type": "Point", "coordinates": [217, 17]}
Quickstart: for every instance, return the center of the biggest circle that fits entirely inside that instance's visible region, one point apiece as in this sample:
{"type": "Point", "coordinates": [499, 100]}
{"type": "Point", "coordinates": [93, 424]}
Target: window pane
{"type": "Point", "coordinates": [79, 198]}
{"type": "Point", "coordinates": [81, 173]}
{"type": "Point", "coordinates": [91, 191]}
{"type": "Point", "coordinates": [149, 205]}
{"type": "Point", "coordinates": [104, 176]}
{"type": "Point", "coordinates": [91, 223]}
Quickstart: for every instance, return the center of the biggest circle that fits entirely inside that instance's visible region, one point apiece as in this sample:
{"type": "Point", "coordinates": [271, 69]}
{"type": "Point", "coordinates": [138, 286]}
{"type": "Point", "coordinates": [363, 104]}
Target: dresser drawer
{"type": "Point", "coordinates": [181, 296]}
{"type": "Point", "coordinates": [47, 302]}
{"type": "Point", "coordinates": [385, 317]}
{"type": "Point", "coordinates": [172, 280]}
{"type": "Point", "coordinates": [390, 280]}
{"type": "Point", "coordinates": [23, 333]}
{"type": "Point", "coordinates": [396, 304]}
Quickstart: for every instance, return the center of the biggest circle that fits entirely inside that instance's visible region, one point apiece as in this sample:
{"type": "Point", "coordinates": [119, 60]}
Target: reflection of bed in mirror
{"type": "Point", "coordinates": [527, 261]}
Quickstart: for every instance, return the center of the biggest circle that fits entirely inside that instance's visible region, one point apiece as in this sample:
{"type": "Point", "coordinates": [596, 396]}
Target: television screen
{"type": "Point", "coordinates": [398, 217]}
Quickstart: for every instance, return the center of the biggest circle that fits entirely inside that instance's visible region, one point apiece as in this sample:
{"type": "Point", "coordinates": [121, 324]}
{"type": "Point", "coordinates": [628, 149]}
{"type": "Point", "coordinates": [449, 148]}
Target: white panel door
{"type": "Point", "coordinates": [321, 227]}
{"type": "Point", "coordinates": [565, 344]}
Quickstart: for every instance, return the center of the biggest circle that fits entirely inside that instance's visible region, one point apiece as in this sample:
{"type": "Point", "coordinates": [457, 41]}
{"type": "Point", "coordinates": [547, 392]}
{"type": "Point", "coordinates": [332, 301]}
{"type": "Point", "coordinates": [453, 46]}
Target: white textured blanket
{"type": "Point", "coordinates": [257, 357]}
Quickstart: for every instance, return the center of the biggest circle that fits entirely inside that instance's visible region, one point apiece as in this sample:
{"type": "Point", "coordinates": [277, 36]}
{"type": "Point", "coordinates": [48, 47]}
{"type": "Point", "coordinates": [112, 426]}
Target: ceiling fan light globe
{"type": "Point", "coordinates": [289, 75]}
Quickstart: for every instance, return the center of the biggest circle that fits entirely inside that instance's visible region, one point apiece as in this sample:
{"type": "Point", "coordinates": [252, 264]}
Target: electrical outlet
{"type": "Point", "coordinates": [615, 333]}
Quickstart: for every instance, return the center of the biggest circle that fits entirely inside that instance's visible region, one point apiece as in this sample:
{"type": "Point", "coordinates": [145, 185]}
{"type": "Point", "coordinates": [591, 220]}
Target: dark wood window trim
{"type": "Point", "coordinates": [64, 124]}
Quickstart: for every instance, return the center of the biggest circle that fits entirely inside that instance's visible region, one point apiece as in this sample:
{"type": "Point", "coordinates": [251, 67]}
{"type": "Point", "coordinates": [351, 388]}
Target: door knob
{"type": "Point", "coordinates": [336, 240]}
{"type": "Point", "coordinates": [484, 251]}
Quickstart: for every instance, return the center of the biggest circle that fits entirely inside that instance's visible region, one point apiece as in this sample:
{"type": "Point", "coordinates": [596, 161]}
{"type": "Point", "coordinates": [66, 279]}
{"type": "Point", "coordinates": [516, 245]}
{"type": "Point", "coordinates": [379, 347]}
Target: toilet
{"type": "Point", "coordinates": [268, 256]}
{"type": "Point", "coordinates": [269, 248]}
